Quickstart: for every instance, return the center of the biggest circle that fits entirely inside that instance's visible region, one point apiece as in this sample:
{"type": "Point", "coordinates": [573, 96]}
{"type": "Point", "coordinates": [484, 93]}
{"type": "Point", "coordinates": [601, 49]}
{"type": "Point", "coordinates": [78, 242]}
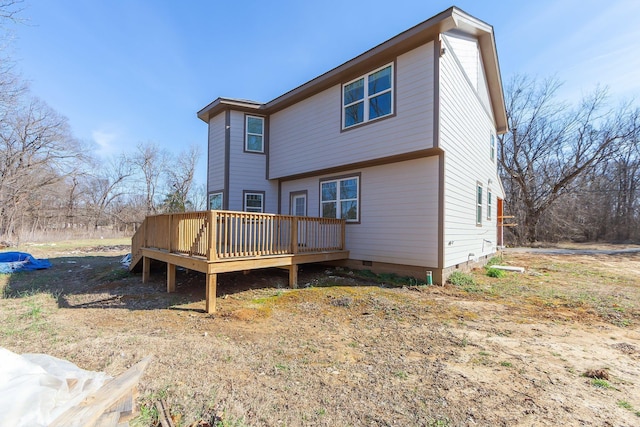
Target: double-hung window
{"type": "Point", "coordinates": [253, 202]}
{"type": "Point", "coordinates": [215, 201]}
{"type": "Point", "coordinates": [488, 204]}
{"type": "Point", "coordinates": [254, 134]}
{"type": "Point", "coordinates": [368, 97]}
{"type": "Point", "coordinates": [339, 198]}
{"type": "Point", "coordinates": [479, 204]}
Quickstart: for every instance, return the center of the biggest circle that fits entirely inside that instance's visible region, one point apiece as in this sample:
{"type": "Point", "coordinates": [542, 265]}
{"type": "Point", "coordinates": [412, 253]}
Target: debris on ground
{"type": "Point", "coordinates": [11, 262]}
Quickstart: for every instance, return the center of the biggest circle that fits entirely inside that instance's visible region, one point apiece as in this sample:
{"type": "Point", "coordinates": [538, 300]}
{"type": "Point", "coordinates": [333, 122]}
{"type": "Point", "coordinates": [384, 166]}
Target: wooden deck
{"type": "Point", "coordinates": [213, 242]}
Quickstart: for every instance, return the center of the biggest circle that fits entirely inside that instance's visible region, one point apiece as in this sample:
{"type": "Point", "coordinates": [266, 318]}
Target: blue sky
{"type": "Point", "coordinates": [128, 71]}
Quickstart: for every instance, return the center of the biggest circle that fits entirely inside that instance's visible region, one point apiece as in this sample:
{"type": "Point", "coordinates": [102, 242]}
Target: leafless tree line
{"type": "Point", "coordinates": [50, 181]}
{"type": "Point", "coordinates": [570, 172]}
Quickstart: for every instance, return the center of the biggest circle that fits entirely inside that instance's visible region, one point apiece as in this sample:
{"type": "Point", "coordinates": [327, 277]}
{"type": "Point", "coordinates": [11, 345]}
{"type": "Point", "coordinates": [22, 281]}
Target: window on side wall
{"type": "Point", "coordinates": [340, 198]}
{"type": "Point", "coordinates": [479, 204]}
{"type": "Point", "coordinates": [215, 201]}
{"type": "Point", "coordinates": [489, 199]}
{"type": "Point", "coordinates": [368, 97]}
{"type": "Point", "coordinates": [253, 202]}
{"type": "Point", "coordinates": [254, 134]}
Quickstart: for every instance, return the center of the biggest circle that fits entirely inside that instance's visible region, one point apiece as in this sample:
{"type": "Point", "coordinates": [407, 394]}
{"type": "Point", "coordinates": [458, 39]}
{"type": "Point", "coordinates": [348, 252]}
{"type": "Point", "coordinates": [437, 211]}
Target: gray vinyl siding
{"type": "Point", "coordinates": [308, 136]}
{"type": "Point", "coordinates": [248, 170]}
{"type": "Point", "coordinates": [398, 211]}
{"type": "Point", "coordinates": [215, 169]}
{"type": "Point", "coordinates": [465, 132]}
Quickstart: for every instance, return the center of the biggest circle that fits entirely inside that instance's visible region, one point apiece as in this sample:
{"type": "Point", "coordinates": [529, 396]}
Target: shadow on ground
{"type": "Point", "coordinates": [102, 282]}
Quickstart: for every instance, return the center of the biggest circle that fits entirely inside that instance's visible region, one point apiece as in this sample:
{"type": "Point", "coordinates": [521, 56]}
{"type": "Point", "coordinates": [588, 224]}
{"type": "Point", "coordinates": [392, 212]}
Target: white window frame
{"type": "Point", "coordinates": [294, 197]}
{"type": "Point", "coordinates": [211, 196]}
{"type": "Point", "coordinates": [252, 209]}
{"type": "Point", "coordinates": [489, 196]}
{"type": "Point", "coordinates": [479, 204]}
{"type": "Point", "coordinates": [247, 134]}
{"type": "Point", "coordinates": [338, 200]}
{"type": "Point", "coordinates": [367, 97]}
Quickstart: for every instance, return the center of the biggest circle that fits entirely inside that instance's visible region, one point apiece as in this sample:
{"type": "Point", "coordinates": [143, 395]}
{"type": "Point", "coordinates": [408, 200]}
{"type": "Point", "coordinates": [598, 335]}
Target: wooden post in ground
{"type": "Point", "coordinates": [171, 277]}
{"type": "Point", "coordinates": [293, 276]}
{"type": "Point", "coordinates": [146, 269]}
{"type": "Point", "coordinates": [211, 292]}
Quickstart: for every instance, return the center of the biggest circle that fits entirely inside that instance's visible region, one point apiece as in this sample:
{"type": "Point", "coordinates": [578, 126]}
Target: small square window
{"type": "Point", "coordinates": [215, 201]}
{"type": "Point", "coordinates": [253, 202]}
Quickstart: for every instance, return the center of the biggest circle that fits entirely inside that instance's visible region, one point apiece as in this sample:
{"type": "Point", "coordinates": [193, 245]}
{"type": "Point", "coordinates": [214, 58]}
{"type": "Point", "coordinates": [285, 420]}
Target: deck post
{"type": "Point", "coordinates": [171, 277]}
{"type": "Point", "coordinates": [146, 269]}
{"type": "Point", "coordinates": [294, 235]}
{"type": "Point", "coordinates": [212, 253]}
{"type": "Point", "coordinates": [211, 292]}
{"type": "Point", "coordinates": [344, 235]}
{"type": "Point", "coordinates": [293, 276]}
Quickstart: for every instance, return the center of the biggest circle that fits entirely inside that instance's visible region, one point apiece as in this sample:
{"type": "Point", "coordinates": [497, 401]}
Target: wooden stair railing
{"type": "Point", "coordinates": [196, 241]}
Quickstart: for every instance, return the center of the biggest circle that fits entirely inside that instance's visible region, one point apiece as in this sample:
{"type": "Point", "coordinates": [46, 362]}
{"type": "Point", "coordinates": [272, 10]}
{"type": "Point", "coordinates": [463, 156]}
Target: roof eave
{"type": "Point", "coordinates": [452, 18]}
{"type": "Point", "coordinates": [222, 104]}
{"type": "Point", "coordinates": [403, 42]}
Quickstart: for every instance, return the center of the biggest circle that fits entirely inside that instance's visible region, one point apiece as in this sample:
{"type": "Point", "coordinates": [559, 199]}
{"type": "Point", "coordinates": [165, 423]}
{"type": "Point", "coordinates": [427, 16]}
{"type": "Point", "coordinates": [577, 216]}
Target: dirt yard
{"type": "Point", "coordinates": [557, 345]}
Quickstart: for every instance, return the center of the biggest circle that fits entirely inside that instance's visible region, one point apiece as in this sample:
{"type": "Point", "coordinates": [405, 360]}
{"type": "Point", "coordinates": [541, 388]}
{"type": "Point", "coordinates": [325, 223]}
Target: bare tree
{"type": "Point", "coordinates": [36, 150]}
{"type": "Point", "coordinates": [551, 144]}
{"type": "Point", "coordinates": [9, 10]}
{"type": "Point", "coordinates": [106, 187]}
{"type": "Point", "coordinates": [179, 176]}
{"type": "Point", "coordinates": [151, 162]}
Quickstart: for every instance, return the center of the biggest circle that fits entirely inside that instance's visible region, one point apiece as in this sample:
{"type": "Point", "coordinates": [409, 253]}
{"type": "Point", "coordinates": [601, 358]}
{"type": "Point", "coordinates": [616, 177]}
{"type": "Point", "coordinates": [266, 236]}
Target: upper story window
{"type": "Point", "coordinates": [368, 97]}
{"type": "Point", "coordinates": [254, 134]}
{"type": "Point", "coordinates": [215, 201]}
{"type": "Point", "coordinates": [339, 198]}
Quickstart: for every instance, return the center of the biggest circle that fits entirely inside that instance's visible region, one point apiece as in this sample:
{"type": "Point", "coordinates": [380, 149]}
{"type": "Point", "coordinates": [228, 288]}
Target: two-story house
{"type": "Point", "coordinates": [400, 141]}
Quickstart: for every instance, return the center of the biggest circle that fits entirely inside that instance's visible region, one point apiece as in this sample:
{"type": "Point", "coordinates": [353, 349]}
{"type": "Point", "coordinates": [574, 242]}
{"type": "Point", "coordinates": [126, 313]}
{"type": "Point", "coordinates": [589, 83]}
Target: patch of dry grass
{"type": "Point", "coordinates": [341, 350]}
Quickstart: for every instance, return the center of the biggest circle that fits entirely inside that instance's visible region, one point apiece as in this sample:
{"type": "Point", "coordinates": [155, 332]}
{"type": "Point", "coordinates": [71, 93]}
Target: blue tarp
{"type": "Point", "coordinates": [11, 262]}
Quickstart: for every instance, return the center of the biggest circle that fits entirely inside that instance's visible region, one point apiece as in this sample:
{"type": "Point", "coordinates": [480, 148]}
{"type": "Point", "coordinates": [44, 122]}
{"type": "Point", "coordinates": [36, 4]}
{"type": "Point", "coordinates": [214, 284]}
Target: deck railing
{"type": "Point", "coordinates": [219, 235]}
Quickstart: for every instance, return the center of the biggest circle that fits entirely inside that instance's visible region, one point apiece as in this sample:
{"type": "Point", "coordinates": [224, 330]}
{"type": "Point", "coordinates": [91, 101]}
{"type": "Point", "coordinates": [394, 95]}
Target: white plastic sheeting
{"type": "Point", "coordinates": [36, 388]}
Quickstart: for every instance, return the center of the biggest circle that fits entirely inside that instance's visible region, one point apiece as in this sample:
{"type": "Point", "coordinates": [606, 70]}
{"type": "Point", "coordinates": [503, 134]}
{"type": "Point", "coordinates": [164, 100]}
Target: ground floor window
{"type": "Point", "coordinates": [340, 198]}
{"type": "Point", "coordinates": [215, 201]}
{"type": "Point", "coordinates": [488, 204]}
{"type": "Point", "coordinates": [479, 204]}
{"type": "Point", "coordinates": [253, 201]}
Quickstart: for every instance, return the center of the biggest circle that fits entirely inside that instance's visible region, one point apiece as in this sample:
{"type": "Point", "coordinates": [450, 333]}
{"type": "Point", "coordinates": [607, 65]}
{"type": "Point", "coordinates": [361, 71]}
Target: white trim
{"type": "Point", "coordinates": [338, 200]}
{"type": "Point", "coordinates": [244, 203]}
{"type": "Point", "coordinates": [293, 204]}
{"type": "Point", "coordinates": [492, 147]}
